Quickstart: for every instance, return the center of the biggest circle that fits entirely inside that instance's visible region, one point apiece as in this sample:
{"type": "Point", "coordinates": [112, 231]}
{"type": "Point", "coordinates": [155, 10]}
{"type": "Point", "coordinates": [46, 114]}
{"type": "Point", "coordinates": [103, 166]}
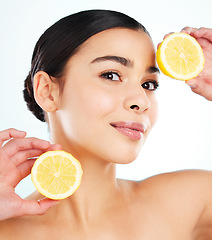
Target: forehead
{"type": "Point", "coordinates": [132, 44]}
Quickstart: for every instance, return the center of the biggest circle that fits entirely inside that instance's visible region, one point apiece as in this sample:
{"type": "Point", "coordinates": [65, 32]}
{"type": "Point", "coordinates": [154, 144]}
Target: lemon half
{"type": "Point", "coordinates": [180, 56]}
{"type": "Point", "coordinates": [56, 174]}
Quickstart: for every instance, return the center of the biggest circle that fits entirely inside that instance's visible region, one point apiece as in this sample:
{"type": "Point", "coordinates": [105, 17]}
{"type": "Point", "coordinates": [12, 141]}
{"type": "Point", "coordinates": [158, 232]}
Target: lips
{"type": "Point", "coordinates": [133, 130]}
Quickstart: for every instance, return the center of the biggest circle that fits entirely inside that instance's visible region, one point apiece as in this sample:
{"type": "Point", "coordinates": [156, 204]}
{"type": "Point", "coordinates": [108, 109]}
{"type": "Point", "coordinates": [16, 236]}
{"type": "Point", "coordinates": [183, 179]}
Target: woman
{"type": "Point", "coordinates": [93, 79]}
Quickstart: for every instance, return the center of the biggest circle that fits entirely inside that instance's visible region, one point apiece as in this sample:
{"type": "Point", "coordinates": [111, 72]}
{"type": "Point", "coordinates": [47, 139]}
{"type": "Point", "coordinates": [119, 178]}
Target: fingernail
{"type": "Point", "coordinates": [45, 143]}
{"type": "Point", "coordinates": [57, 146]}
{"type": "Point", "coordinates": [56, 202]}
{"type": "Point", "coordinates": [193, 86]}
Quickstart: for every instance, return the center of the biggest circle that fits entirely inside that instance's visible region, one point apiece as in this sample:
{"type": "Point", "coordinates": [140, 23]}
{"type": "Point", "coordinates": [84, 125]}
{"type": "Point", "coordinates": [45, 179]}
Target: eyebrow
{"type": "Point", "coordinates": [123, 61]}
{"type": "Point", "coordinates": [153, 69]}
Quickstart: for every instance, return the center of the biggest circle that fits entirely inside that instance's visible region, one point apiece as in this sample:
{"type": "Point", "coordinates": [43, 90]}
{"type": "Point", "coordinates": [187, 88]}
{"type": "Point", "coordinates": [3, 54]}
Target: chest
{"type": "Point", "coordinates": [125, 226]}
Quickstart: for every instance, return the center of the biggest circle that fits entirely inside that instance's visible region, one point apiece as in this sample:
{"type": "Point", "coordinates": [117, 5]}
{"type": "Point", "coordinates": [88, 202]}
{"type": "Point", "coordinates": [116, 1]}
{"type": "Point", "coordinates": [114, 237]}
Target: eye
{"type": "Point", "coordinates": [150, 85]}
{"type": "Point", "coordinates": [113, 76]}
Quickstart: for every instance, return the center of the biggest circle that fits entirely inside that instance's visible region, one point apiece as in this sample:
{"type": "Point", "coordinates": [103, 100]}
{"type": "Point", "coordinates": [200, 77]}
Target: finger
{"type": "Point", "coordinates": [164, 38]}
{"type": "Point", "coordinates": [204, 43]}
{"type": "Point", "coordinates": [24, 160]}
{"type": "Point", "coordinates": [54, 147]}
{"type": "Point", "coordinates": [19, 173]}
{"type": "Point", "coordinates": [189, 30]}
{"type": "Point", "coordinates": [204, 33]}
{"type": "Point", "coordinates": [40, 207]}
{"type": "Point", "coordinates": [24, 170]}
{"type": "Point", "coordinates": [10, 133]}
{"type": "Point", "coordinates": [25, 167]}
{"type": "Point", "coordinates": [16, 145]}
{"type": "Point", "coordinates": [199, 87]}
{"type": "Point", "coordinates": [23, 156]}
{"type": "Point", "coordinates": [192, 83]}
{"type": "Point", "coordinates": [167, 35]}
{"type": "Point", "coordinates": [158, 45]}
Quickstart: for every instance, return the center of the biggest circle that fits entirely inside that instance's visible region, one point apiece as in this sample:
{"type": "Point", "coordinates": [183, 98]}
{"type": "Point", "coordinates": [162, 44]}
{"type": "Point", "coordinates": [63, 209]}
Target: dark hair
{"type": "Point", "coordinates": [62, 40]}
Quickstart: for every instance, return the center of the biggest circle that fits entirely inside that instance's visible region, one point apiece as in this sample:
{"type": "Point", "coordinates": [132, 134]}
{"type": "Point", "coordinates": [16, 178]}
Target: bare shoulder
{"type": "Point", "coordinates": [189, 182]}
{"type": "Point", "coordinates": [179, 201]}
{"type": "Point", "coordinates": [186, 195]}
{"type": "Point", "coordinates": [180, 185]}
{"type": "Point", "coordinates": [195, 180]}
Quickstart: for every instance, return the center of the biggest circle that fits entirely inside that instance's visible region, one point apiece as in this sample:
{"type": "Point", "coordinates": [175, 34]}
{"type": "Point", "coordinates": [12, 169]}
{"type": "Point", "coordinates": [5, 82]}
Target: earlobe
{"type": "Point", "coordinates": [46, 91]}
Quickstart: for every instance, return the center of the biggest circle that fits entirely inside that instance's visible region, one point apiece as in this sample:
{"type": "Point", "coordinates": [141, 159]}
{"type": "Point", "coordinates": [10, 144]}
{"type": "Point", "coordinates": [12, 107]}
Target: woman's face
{"type": "Point", "coordinates": [108, 105]}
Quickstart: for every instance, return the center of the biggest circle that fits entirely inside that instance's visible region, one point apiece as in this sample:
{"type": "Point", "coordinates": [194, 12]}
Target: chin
{"type": "Point", "coordinates": [128, 153]}
{"type": "Point", "coordinates": [126, 158]}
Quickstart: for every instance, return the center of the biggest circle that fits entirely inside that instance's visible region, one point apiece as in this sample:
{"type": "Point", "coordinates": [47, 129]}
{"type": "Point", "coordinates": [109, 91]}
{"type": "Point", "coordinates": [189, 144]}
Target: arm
{"type": "Point", "coordinates": [17, 157]}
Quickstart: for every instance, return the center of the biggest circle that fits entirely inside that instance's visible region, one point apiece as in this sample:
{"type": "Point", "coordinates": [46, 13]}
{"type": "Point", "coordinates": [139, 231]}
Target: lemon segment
{"type": "Point", "coordinates": [56, 174]}
{"type": "Point", "coordinates": [180, 56]}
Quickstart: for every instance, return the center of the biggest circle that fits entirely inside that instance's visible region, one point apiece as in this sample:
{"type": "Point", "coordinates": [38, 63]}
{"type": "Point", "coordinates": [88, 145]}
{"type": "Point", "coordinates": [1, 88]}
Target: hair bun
{"type": "Point", "coordinates": [30, 100]}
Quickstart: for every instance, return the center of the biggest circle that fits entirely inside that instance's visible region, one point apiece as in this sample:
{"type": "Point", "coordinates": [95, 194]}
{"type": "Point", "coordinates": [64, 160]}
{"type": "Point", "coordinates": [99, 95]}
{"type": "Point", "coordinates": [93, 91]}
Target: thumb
{"type": "Point", "coordinates": [192, 83]}
{"type": "Point", "coordinates": [30, 207]}
{"type": "Point", "coordinates": [201, 88]}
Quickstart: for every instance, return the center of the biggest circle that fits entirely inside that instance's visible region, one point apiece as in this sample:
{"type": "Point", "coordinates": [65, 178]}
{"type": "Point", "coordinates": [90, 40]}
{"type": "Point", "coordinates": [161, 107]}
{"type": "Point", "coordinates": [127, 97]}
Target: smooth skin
{"type": "Point", "coordinates": [168, 206]}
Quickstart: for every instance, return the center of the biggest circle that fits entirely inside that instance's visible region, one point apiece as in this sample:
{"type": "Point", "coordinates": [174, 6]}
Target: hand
{"type": "Point", "coordinates": [17, 157]}
{"type": "Point", "coordinates": [202, 84]}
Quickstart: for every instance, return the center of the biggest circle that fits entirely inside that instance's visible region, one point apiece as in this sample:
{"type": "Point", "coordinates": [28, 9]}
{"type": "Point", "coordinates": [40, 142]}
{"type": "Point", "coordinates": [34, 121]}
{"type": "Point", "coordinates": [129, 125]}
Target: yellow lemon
{"type": "Point", "coordinates": [56, 174]}
{"type": "Point", "coordinates": [180, 56]}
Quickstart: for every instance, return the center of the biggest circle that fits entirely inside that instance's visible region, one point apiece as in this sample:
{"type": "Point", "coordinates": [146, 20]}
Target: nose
{"type": "Point", "coordinates": [137, 100]}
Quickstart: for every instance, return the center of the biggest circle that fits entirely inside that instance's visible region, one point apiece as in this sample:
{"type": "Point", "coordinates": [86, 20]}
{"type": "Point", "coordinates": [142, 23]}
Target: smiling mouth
{"type": "Point", "coordinates": [132, 130]}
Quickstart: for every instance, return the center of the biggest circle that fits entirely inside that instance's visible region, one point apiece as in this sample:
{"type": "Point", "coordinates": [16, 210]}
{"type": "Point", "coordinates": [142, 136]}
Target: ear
{"type": "Point", "coordinates": [46, 92]}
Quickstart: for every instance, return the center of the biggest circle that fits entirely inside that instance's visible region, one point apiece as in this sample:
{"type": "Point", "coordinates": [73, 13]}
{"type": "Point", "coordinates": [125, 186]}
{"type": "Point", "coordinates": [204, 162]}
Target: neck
{"type": "Point", "coordinates": [97, 186]}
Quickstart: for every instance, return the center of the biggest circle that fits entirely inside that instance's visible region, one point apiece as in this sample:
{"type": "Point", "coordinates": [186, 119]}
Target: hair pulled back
{"type": "Point", "coordinates": [61, 41]}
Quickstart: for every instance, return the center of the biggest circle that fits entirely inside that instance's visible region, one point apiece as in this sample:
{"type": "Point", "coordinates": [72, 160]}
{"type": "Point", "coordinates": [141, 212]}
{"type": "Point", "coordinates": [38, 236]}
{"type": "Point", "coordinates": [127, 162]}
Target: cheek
{"type": "Point", "coordinates": [153, 111]}
{"type": "Point", "coordinates": [97, 103]}
{"type": "Point", "coordinates": [89, 104]}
